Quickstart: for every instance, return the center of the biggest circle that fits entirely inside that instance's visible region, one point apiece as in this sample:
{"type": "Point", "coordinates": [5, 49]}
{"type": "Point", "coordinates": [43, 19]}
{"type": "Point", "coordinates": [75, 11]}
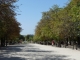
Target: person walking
{"type": "Point", "coordinates": [52, 42]}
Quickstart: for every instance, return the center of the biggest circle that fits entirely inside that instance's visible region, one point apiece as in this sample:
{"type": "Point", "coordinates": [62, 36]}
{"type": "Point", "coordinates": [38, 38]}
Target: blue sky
{"type": "Point", "coordinates": [31, 12]}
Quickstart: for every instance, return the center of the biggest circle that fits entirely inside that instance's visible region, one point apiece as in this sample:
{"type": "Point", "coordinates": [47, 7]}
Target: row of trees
{"type": "Point", "coordinates": [29, 37]}
{"type": "Point", "coordinates": [60, 24]}
{"type": "Point", "coordinates": [9, 27]}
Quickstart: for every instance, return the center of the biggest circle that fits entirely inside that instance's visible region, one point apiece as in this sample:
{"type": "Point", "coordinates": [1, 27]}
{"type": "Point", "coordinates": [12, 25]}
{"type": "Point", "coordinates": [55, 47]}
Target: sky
{"type": "Point", "coordinates": [31, 12]}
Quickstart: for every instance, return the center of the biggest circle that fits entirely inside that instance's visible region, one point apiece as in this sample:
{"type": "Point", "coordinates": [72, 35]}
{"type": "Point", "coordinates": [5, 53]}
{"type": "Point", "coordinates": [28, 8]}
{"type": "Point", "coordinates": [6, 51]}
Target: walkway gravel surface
{"type": "Point", "coordinates": [37, 52]}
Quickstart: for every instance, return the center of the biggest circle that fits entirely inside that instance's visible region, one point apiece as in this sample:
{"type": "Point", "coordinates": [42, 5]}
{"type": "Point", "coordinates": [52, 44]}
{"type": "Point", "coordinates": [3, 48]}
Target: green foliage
{"type": "Point", "coordinates": [21, 37]}
{"type": "Point", "coordinates": [29, 37]}
{"type": "Point", "coordinates": [9, 27]}
{"type": "Point", "coordinates": [59, 23]}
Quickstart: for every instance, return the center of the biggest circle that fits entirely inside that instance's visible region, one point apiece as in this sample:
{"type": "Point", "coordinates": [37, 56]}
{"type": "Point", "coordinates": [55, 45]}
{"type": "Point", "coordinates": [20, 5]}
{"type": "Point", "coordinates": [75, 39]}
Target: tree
{"type": "Point", "coordinates": [9, 27]}
{"type": "Point", "coordinates": [29, 37]}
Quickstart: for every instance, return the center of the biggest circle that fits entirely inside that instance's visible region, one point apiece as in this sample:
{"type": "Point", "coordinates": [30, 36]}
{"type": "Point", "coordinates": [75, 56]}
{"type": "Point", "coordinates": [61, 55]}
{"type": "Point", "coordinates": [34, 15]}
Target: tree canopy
{"type": "Point", "coordinates": [9, 26]}
{"type": "Point", "coordinates": [59, 23]}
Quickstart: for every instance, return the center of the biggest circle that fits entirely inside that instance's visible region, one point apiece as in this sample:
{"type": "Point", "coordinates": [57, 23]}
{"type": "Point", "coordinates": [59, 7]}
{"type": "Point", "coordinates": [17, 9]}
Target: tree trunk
{"type": "Point", "coordinates": [6, 42]}
{"type": "Point", "coordinates": [76, 45]}
{"type": "Point", "coordinates": [2, 42]}
{"type": "Point", "coordinates": [73, 44]}
{"type": "Point", "coordinates": [65, 43]}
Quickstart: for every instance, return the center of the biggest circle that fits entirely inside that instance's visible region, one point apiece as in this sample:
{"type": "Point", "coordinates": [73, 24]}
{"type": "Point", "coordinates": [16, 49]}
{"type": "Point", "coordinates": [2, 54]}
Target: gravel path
{"type": "Point", "coordinates": [37, 52]}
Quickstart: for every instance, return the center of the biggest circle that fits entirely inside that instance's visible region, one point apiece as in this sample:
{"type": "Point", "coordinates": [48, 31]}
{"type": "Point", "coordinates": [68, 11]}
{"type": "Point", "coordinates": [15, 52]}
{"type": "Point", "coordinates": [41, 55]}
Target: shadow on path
{"type": "Point", "coordinates": [12, 58]}
{"type": "Point", "coordinates": [11, 48]}
{"type": "Point", "coordinates": [28, 52]}
{"type": "Point", "coordinates": [5, 52]}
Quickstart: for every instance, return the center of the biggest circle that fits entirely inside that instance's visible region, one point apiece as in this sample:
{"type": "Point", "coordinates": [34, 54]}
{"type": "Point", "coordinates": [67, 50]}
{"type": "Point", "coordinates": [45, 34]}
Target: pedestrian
{"type": "Point", "coordinates": [52, 42]}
